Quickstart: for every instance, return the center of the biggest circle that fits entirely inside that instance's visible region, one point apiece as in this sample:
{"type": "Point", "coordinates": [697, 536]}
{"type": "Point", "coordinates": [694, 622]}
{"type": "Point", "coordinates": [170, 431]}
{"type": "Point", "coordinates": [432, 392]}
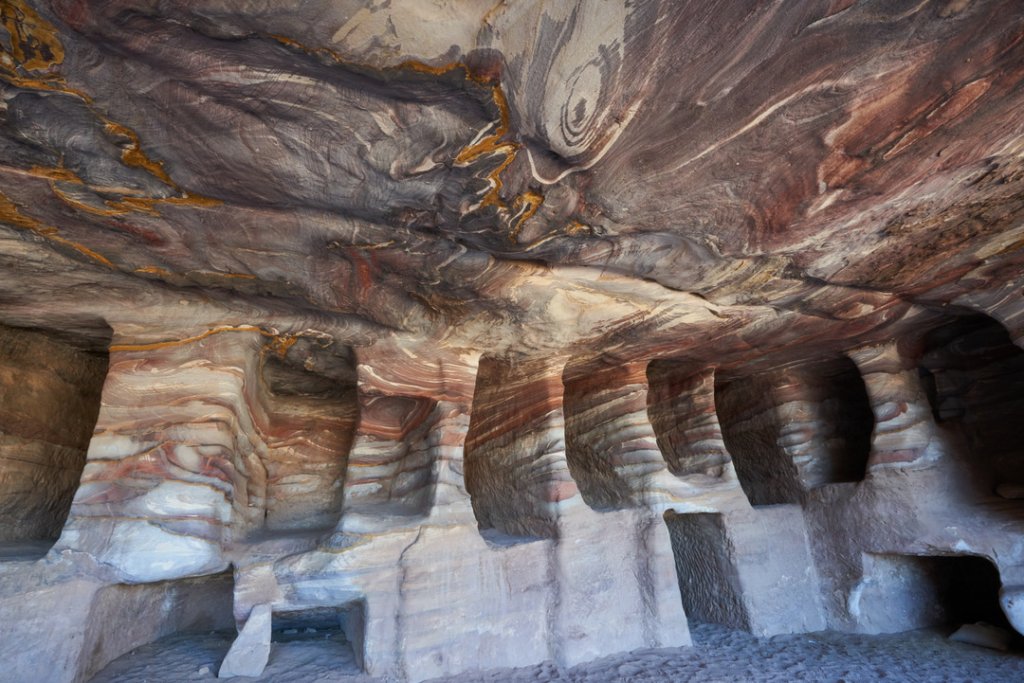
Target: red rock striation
{"type": "Point", "coordinates": [506, 332]}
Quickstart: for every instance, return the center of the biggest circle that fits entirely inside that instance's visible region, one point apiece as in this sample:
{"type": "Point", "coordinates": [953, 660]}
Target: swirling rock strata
{"type": "Point", "coordinates": [393, 291]}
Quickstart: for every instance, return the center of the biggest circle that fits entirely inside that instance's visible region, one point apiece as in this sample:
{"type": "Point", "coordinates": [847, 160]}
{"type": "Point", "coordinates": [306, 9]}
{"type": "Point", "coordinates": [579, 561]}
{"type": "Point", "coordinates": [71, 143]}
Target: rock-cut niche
{"type": "Point", "coordinates": [974, 377]}
{"type": "Point", "coordinates": [311, 425]}
{"type": "Point", "coordinates": [50, 389]}
{"type": "Point", "coordinates": [515, 450]}
{"type": "Point", "coordinates": [795, 429]}
{"type": "Point", "coordinates": [340, 627]}
{"type": "Point", "coordinates": [911, 591]}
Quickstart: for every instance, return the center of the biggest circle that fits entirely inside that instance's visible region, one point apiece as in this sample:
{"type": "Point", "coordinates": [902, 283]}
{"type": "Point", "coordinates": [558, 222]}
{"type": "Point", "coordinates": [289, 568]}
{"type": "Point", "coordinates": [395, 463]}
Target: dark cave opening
{"type": "Point", "coordinates": [906, 592]}
{"type": "Point", "coordinates": [847, 424]}
{"type": "Point", "coordinates": [752, 428]}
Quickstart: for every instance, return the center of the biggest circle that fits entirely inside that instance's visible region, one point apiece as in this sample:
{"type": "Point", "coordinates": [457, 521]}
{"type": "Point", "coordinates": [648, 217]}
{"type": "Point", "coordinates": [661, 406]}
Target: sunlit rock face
{"type": "Point", "coordinates": [506, 332]}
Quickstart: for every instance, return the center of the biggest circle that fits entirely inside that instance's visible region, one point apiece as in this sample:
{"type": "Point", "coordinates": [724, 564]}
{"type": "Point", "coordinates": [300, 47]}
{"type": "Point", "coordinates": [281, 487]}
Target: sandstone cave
{"type": "Point", "coordinates": [532, 340]}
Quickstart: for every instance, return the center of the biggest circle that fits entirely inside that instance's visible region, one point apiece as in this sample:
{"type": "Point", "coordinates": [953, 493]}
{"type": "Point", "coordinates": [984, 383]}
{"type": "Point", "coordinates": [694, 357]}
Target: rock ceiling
{"type": "Point", "coordinates": [657, 179]}
{"type": "Point", "coordinates": [456, 315]}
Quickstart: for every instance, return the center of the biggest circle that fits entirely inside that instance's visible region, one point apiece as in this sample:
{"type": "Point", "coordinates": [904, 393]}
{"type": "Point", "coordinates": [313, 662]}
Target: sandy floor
{"type": "Point", "coordinates": [720, 655]}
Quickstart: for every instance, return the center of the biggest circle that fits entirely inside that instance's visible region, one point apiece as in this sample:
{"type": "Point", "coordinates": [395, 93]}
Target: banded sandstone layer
{"type": "Point", "coordinates": [477, 324]}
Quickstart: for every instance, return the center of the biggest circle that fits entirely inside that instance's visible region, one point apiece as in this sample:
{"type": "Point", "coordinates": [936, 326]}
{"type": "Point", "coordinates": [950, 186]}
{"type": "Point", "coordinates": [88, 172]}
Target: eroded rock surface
{"type": "Point", "coordinates": [475, 321]}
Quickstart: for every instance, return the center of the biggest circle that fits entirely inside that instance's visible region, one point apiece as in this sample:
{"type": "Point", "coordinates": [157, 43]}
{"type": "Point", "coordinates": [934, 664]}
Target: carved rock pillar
{"type": "Point", "coordinates": [406, 463]}
{"type": "Point", "coordinates": [612, 448]}
{"type": "Point", "coordinates": [174, 472]}
{"type": "Point", "coordinates": [905, 434]}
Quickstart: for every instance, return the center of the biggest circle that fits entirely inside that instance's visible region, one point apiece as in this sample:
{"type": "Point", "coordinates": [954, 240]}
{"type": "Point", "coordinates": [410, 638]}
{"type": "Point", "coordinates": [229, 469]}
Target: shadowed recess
{"type": "Point", "coordinates": [49, 402]}
{"type": "Point", "coordinates": [516, 470]}
{"type": "Point", "coordinates": [681, 406]}
{"type": "Point", "coordinates": [974, 377]}
{"type": "Point", "coordinates": [904, 592]}
{"type": "Point", "coordinates": [610, 446]}
{"type": "Point", "coordinates": [797, 428]}
{"type": "Point", "coordinates": [312, 420]}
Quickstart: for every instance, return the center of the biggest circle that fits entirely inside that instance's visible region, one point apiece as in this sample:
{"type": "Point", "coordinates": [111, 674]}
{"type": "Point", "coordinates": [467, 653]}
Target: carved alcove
{"type": "Point", "coordinates": [904, 592]}
{"type": "Point", "coordinates": [311, 422]}
{"type": "Point", "coordinates": [50, 390]}
{"type": "Point", "coordinates": [973, 375]}
{"type": "Point", "coordinates": [517, 421]}
{"type": "Point", "coordinates": [338, 627]}
{"type": "Point", "coordinates": [795, 429]}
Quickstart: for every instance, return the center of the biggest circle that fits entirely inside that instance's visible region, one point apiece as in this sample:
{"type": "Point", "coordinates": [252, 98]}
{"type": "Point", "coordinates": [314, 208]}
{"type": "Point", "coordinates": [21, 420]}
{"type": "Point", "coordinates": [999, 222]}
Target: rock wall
{"type": "Point", "coordinates": [538, 490]}
{"type": "Point", "coordinates": [543, 323]}
{"type": "Point", "coordinates": [49, 400]}
{"type": "Point", "coordinates": [311, 424]}
{"type": "Point", "coordinates": [796, 429]}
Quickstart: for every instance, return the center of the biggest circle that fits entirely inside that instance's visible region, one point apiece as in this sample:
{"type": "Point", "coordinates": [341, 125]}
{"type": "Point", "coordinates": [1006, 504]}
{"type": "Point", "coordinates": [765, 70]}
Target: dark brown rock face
{"type": "Point", "coordinates": [49, 400]}
{"type": "Point", "coordinates": [584, 306]}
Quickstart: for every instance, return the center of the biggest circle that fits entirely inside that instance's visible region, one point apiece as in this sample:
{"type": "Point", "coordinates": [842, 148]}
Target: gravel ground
{"type": "Point", "coordinates": [720, 655]}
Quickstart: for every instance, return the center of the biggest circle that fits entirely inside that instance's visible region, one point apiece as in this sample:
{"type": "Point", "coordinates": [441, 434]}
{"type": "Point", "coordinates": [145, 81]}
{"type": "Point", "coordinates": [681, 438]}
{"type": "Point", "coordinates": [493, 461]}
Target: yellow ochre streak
{"type": "Point", "coordinates": [32, 61]}
{"type": "Point", "coordinates": [279, 343]}
{"type": "Point", "coordinates": [493, 144]}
